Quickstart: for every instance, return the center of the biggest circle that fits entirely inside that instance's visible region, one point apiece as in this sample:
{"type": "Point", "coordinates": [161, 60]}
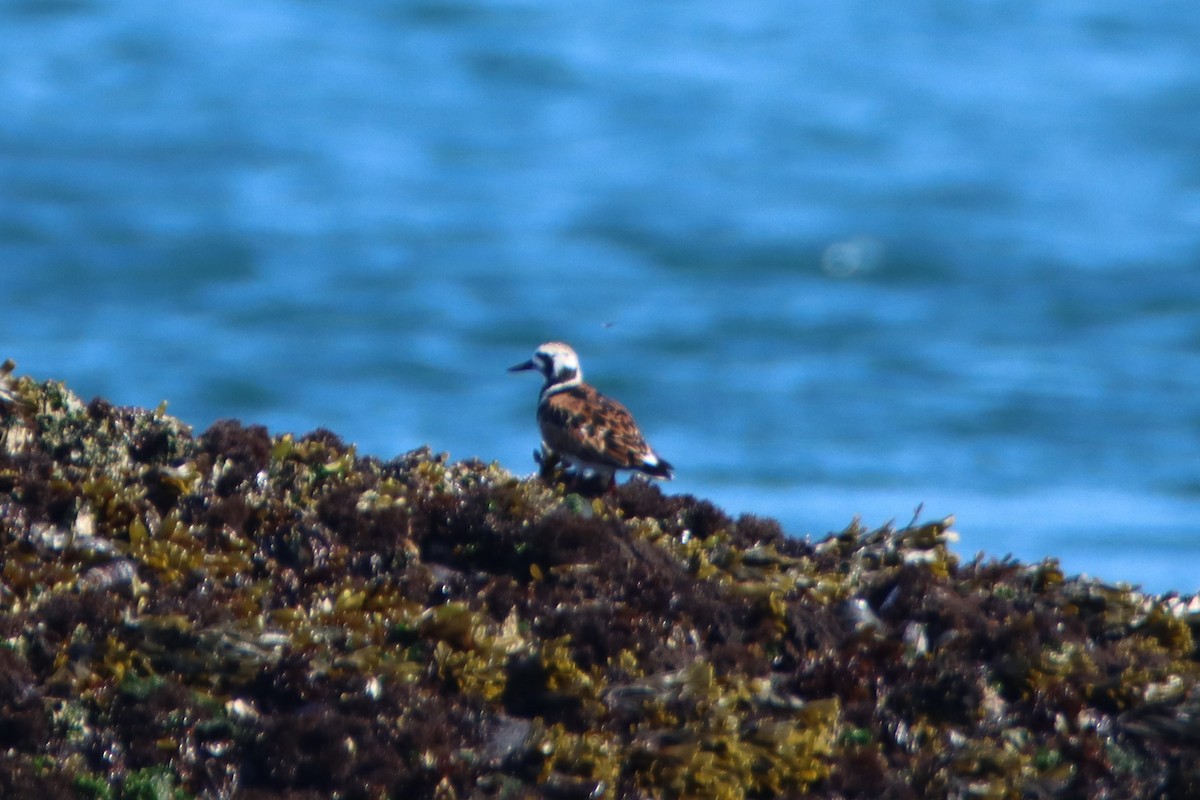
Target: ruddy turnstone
{"type": "Point", "coordinates": [584, 428]}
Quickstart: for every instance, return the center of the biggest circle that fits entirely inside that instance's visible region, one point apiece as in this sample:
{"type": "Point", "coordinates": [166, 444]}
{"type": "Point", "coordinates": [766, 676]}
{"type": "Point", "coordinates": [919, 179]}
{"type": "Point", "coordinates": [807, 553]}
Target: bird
{"type": "Point", "coordinates": [590, 432]}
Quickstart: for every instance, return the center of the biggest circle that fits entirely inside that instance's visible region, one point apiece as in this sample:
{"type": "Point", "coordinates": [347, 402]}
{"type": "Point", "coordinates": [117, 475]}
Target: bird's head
{"type": "Point", "coordinates": [556, 361]}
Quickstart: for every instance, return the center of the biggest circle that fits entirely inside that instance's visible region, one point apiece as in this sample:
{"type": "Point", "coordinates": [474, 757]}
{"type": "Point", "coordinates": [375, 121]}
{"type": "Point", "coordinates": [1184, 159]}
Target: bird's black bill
{"type": "Point", "coordinates": [524, 366]}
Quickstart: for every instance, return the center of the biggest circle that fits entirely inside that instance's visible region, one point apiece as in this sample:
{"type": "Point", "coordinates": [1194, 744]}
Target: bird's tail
{"type": "Point", "coordinates": [654, 466]}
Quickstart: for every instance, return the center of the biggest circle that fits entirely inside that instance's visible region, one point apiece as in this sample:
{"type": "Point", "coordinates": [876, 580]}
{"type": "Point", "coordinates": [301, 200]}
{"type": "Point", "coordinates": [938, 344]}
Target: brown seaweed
{"type": "Point", "coordinates": [245, 615]}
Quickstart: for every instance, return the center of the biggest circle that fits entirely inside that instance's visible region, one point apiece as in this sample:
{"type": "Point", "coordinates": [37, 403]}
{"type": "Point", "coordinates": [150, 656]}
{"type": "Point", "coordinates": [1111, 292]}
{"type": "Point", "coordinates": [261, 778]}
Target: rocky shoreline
{"type": "Point", "coordinates": [240, 615]}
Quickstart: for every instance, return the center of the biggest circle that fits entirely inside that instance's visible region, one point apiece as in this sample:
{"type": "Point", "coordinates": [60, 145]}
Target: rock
{"type": "Point", "coordinates": [241, 614]}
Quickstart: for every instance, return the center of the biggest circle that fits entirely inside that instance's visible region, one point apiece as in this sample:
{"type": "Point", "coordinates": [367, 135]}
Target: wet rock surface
{"type": "Point", "coordinates": [236, 614]}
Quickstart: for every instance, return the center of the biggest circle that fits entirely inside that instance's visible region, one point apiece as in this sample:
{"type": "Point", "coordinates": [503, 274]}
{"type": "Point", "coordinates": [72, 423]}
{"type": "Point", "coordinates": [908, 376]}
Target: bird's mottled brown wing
{"type": "Point", "coordinates": [586, 424]}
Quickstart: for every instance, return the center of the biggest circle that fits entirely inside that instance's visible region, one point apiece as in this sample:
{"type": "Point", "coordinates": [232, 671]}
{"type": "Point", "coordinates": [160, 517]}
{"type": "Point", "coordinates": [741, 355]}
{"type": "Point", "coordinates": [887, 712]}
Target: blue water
{"type": "Point", "coordinates": [838, 260]}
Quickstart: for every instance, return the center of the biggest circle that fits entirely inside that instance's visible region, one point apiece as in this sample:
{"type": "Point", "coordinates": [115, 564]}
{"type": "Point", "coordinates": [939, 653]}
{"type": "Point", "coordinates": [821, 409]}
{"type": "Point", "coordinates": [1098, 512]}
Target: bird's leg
{"type": "Point", "coordinates": [548, 463]}
{"type": "Point", "coordinates": [601, 482]}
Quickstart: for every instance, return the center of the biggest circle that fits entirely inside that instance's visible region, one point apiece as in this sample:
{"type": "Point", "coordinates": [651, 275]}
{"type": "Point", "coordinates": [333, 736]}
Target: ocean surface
{"type": "Point", "coordinates": [840, 261]}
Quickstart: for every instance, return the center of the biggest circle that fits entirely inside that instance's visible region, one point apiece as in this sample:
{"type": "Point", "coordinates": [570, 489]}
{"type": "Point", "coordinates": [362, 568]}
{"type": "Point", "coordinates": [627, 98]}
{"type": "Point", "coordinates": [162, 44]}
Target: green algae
{"type": "Point", "coordinates": [235, 614]}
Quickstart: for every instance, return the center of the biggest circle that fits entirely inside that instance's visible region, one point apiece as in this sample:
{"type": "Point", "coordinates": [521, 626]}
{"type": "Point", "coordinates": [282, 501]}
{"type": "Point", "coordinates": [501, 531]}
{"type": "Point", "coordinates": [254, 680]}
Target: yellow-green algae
{"type": "Point", "coordinates": [240, 615]}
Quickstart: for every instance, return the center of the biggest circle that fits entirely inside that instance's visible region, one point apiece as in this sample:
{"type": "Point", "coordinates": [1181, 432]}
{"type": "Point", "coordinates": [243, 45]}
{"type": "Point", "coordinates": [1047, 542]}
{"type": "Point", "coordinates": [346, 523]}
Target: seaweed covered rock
{"type": "Point", "coordinates": [241, 615]}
